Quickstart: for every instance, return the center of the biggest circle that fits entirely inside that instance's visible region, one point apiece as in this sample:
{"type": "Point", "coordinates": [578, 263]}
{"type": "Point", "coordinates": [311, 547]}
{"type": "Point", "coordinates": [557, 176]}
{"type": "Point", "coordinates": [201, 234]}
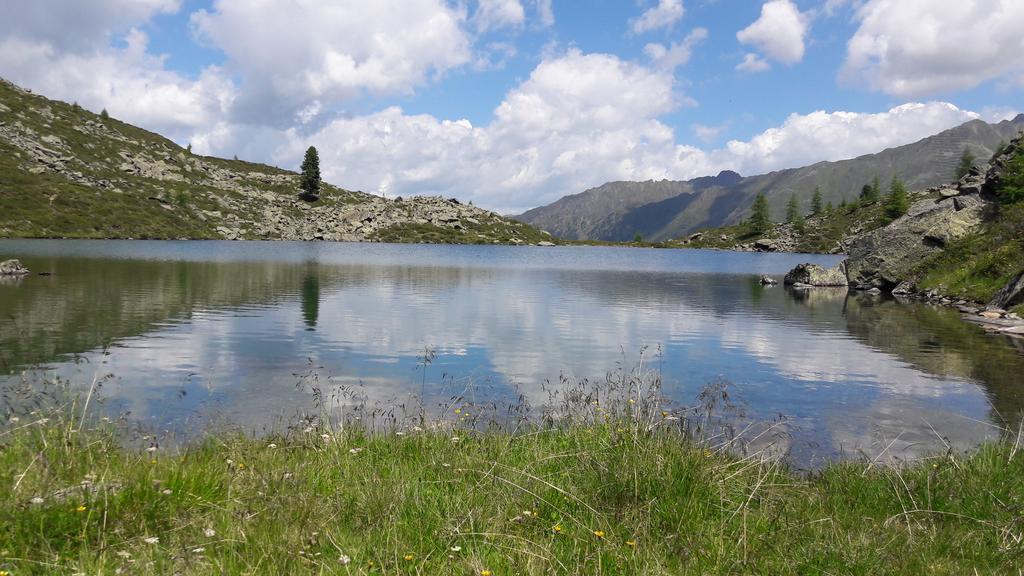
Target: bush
{"type": "Point", "coordinates": [1011, 185]}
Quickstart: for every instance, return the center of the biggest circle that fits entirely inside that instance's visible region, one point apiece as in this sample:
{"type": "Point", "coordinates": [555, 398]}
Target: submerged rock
{"type": "Point", "coordinates": [768, 281]}
{"type": "Point", "coordinates": [815, 275]}
{"type": "Point", "coordinates": [12, 268]}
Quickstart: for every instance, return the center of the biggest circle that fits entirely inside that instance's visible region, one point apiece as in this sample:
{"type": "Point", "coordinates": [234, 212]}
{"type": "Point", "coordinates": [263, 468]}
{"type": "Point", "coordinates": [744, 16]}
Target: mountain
{"type": "Point", "coordinates": [669, 209]}
{"type": "Point", "coordinates": [67, 172]}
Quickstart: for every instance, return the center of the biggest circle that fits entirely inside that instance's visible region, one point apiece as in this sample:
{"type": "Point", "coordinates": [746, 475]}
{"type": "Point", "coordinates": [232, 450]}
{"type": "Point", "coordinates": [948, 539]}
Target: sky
{"type": "Point", "coordinates": [512, 104]}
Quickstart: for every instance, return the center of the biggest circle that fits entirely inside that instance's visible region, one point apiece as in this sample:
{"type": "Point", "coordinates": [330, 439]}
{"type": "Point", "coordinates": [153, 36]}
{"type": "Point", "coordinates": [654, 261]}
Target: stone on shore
{"type": "Point", "coordinates": [12, 268]}
{"type": "Point", "coordinates": [815, 275]}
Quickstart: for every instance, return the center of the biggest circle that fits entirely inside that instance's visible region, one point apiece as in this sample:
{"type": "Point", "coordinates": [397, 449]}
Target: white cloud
{"type": "Point", "coordinates": [545, 14]}
{"type": "Point", "coordinates": [129, 82]}
{"type": "Point", "coordinates": [73, 25]}
{"type": "Point", "coordinates": [494, 14]}
{"type": "Point", "coordinates": [807, 138]}
{"type": "Point", "coordinates": [913, 48]}
{"type": "Point", "coordinates": [753, 63]}
{"type": "Point", "coordinates": [333, 50]}
{"type": "Point", "coordinates": [708, 133]}
{"type": "Point", "coordinates": [778, 33]}
{"type": "Point", "coordinates": [676, 54]}
{"type": "Point", "coordinates": [664, 15]}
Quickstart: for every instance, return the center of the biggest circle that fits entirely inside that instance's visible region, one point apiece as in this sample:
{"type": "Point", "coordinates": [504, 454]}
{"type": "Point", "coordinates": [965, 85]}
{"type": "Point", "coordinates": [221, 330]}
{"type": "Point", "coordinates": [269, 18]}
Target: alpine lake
{"type": "Point", "coordinates": [178, 335]}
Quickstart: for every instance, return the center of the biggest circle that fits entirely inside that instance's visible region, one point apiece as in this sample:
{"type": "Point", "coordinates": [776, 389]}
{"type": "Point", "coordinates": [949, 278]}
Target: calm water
{"type": "Point", "coordinates": [201, 329]}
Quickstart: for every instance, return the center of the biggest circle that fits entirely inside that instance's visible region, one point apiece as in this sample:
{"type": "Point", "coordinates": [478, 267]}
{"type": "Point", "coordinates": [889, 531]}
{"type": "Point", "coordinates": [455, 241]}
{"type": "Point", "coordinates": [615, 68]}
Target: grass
{"type": "Point", "coordinates": [601, 487]}
{"type": "Point", "coordinates": [976, 266]}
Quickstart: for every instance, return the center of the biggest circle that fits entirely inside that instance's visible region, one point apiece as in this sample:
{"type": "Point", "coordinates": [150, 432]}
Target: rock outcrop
{"type": "Point", "coordinates": [12, 268]}
{"type": "Point", "coordinates": [1010, 295]}
{"type": "Point", "coordinates": [815, 275]}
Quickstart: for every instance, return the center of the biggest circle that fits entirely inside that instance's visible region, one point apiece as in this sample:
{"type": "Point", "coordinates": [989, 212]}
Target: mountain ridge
{"type": "Point", "coordinates": [660, 210]}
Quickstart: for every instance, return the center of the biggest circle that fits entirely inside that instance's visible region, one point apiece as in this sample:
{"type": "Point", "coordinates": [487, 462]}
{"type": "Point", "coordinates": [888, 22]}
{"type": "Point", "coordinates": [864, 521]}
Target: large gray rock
{"type": "Point", "coordinates": [1009, 295]}
{"type": "Point", "coordinates": [815, 275]}
{"type": "Point", "coordinates": [12, 268]}
{"type": "Point", "coordinates": [885, 257]}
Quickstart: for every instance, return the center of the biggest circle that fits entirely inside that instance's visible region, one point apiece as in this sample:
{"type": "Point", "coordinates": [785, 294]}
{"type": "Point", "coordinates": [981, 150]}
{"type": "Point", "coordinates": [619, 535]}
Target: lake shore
{"type": "Point", "coordinates": [626, 496]}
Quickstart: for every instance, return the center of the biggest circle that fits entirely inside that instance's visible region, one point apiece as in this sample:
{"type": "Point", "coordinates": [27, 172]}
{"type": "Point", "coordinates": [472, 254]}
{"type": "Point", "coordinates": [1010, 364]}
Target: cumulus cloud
{"type": "Point", "coordinates": [334, 50]}
{"type": "Point", "coordinates": [778, 34]}
{"type": "Point", "coordinates": [545, 14]}
{"type": "Point", "coordinates": [912, 48]}
{"type": "Point", "coordinates": [753, 63]}
{"type": "Point", "coordinates": [73, 25]}
{"type": "Point", "coordinates": [664, 15]}
{"type": "Point", "coordinates": [807, 138]}
{"type": "Point", "coordinates": [129, 82]}
{"type": "Point", "coordinates": [677, 53]}
{"type": "Point", "coordinates": [494, 14]}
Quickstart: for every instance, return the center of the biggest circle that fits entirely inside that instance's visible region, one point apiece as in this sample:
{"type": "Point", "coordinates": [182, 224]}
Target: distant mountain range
{"type": "Point", "coordinates": [668, 209]}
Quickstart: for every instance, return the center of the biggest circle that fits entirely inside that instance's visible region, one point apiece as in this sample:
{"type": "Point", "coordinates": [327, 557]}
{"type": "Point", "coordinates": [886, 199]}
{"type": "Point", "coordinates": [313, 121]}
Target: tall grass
{"type": "Point", "coordinates": [604, 479]}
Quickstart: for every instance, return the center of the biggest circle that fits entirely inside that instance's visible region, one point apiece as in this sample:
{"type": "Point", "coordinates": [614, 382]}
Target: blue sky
{"type": "Point", "coordinates": [514, 103]}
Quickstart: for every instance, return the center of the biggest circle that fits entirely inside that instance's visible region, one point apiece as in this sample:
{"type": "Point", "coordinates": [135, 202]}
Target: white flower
{"type": "Point", "coordinates": [37, 500]}
{"type": "Point", "coordinates": [151, 449]}
{"type": "Point", "coordinates": [308, 429]}
{"type": "Point", "coordinates": [199, 550]}
{"type": "Point", "coordinates": [344, 559]}
{"type": "Point", "coordinates": [124, 554]}
{"type": "Point", "coordinates": [271, 446]}
{"type": "Point", "coordinates": [355, 450]}
{"type": "Point", "coordinates": [209, 533]}
{"type": "Point", "coordinates": [15, 419]}
{"type": "Point", "coordinates": [151, 540]}
{"type": "Point", "coordinates": [399, 433]}
{"type": "Point", "coordinates": [417, 429]}
{"type": "Point", "coordinates": [167, 492]}
{"type": "Point", "coordinates": [456, 548]}
{"type": "Point", "coordinates": [456, 439]}
{"type": "Point", "coordinates": [326, 437]}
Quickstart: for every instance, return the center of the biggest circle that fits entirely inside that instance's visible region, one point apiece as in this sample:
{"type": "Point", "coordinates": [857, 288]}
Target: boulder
{"type": "Point", "coordinates": [12, 268]}
{"type": "Point", "coordinates": [545, 243]}
{"type": "Point", "coordinates": [765, 245]}
{"type": "Point", "coordinates": [905, 288]}
{"type": "Point", "coordinates": [768, 281]}
{"type": "Point", "coordinates": [885, 257]}
{"type": "Point", "coordinates": [815, 275]}
{"type": "Point", "coordinates": [1009, 295]}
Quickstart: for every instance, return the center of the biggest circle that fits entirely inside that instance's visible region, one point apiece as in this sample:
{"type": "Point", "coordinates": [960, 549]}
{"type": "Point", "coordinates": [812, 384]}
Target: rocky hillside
{"type": "Point", "coordinates": [669, 209]}
{"type": "Point", "coordinates": [67, 172]}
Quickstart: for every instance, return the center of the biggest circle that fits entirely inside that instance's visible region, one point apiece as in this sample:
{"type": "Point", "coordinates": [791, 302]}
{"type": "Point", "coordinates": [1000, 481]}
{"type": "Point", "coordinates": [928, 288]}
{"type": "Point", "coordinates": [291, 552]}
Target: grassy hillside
{"type": "Point", "coordinates": [68, 172]}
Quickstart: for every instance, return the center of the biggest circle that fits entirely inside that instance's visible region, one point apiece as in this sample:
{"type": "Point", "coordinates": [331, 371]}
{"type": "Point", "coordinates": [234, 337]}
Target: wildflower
{"type": "Point", "coordinates": [456, 548]}
{"type": "Point", "coordinates": [271, 446]}
{"type": "Point", "coordinates": [344, 559]}
{"type": "Point", "coordinates": [230, 461]}
{"type": "Point", "coordinates": [355, 450]}
{"type": "Point", "coordinates": [241, 466]}
{"type": "Point", "coordinates": [456, 439]}
{"type": "Point", "coordinates": [599, 533]}
{"type": "Point", "coordinates": [153, 461]}
{"type": "Point", "coordinates": [4, 573]}
{"type": "Point", "coordinates": [37, 500]}
{"type": "Point", "coordinates": [167, 492]}
{"type": "Point", "coordinates": [81, 508]}
{"type": "Point", "coordinates": [631, 401]}
{"type": "Point", "coordinates": [664, 414]}
{"type": "Point", "coordinates": [209, 533]}
{"type": "Point", "coordinates": [631, 543]}
{"type": "Point", "coordinates": [417, 429]}
{"type": "Point", "coordinates": [308, 429]}
{"type": "Point", "coordinates": [485, 573]}
{"type": "Point", "coordinates": [15, 419]}
{"type": "Point", "coordinates": [124, 554]}
{"type": "Point", "coordinates": [199, 550]}
{"type": "Point", "coordinates": [325, 437]}
{"type": "Point", "coordinates": [151, 449]}
{"type": "Point", "coordinates": [409, 557]}
{"type": "Point", "coordinates": [399, 433]}
{"type": "Point", "coordinates": [151, 540]}
{"type": "Point", "coordinates": [370, 563]}
{"type": "Point", "coordinates": [557, 528]}
{"type": "Point", "coordinates": [458, 410]}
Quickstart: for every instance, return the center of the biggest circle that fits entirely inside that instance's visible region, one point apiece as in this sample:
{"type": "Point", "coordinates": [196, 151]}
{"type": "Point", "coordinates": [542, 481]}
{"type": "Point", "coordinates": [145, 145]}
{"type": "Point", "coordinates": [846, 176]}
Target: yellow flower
{"type": "Point", "coordinates": [408, 557]}
{"type": "Point", "coordinates": [4, 573]}
{"type": "Point", "coordinates": [663, 413]}
{"type": "Point", "coordinates": [557, 528]}
{"type": "Point", "coordinates": [482, 573]}
{"type": "Point", "coordinates": [631, 543]}
{"type": "Point", "coordinates": [458, 410]}
{"type": "Point", "coordinates": [241, 466]}
{"type": "Point", "coordinates": [631, 401]}
{"type": "Point", "coordinates": [80, 509]}
{"type": "Point", "coordinates": [153, 461]}
{"type": "Point", "coordinates": [599, 533]}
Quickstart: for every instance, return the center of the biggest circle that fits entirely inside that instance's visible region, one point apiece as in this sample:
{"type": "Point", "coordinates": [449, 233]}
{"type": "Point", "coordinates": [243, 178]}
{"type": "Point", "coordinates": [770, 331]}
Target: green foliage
{"type": "Point", "coordinates": [760, 217]}
{"type": "Point", "coordinates": [830, 209]}
{"type": "Point", "coordinates": [792, 209]}
{"type": "Point", "coordinates": [310, 183]}
{"type": "Point", "coordinates": [104, 115]}
{"type": "Point", "coordinates": [816, 201]}
{"type": "Point", "coordinates": [897, 201]}
{"type": "Point", "coordinates": [1011, 181]}
{"type": "Point", "coordinates": [638, 237]}
{"type": "Point", "coordinates": [188, 149]}
{"type": "Point", "coordinates": [966, 163]}
{"type": "Point", "coordinates": [871, 193]}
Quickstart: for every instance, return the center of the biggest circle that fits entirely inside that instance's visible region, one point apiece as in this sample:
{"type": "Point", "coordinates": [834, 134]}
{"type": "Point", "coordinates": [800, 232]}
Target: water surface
{"type": "Point", "coordinates": [195, 329]}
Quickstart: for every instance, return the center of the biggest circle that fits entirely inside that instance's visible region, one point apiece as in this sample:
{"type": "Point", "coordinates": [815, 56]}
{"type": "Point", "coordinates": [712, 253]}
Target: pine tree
{"type": "Point", "coordinates": [816, 201]}
{"type": "Point", "coordinates": [966, 163]}
{"type": "Point", "coordinates": [830, 209]}
{"type": "Point", "coordinates": [1011, 182]}
{"type": "Point", "coordinates": [872, 192]}
{"type": "Point", "coordinates": [792, 209]}
{"type": "Point", "coordinates": [760, 217]}
{"type": "Point", "coordinates": [311, 175]}
{"type": "Point", "coordinates": [103, 114]}
{"type": "Point", "coordinates": [189, 148]}
{"type": "Point", "coordinates": [638, 238]}
{"type": "Point", "coordinates": [897, 202]}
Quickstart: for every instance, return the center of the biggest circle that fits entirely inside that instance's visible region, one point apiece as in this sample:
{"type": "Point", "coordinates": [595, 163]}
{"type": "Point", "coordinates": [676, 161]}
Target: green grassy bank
{"type": "Point", "coordinates": [576, 499]}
